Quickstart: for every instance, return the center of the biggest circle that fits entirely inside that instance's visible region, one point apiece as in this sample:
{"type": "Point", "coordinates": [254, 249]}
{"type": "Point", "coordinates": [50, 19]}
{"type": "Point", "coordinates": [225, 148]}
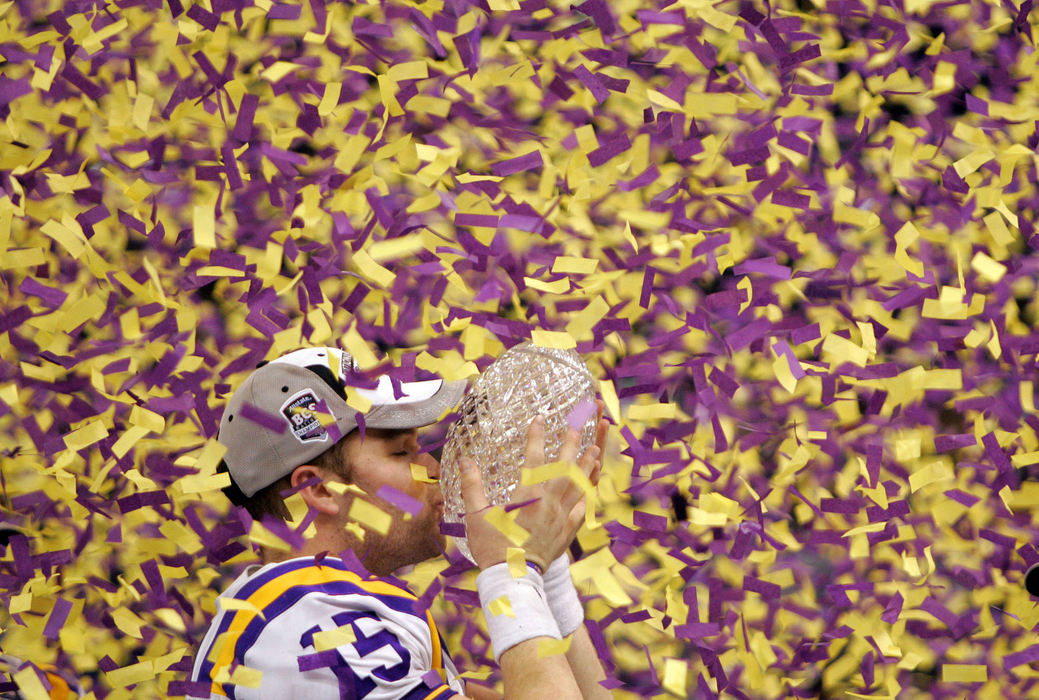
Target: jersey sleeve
{"type": "Point", "coordinates": [393, 653]}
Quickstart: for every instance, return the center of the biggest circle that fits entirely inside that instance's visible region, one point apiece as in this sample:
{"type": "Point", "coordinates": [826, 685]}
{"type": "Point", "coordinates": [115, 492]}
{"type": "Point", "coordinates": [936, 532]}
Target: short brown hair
{"type": "Point", "coordinates": [269, 499]}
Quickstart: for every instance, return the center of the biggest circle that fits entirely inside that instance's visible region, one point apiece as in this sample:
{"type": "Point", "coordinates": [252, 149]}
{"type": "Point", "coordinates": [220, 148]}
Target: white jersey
{"type": "Point", "coordinates": [268, 618]}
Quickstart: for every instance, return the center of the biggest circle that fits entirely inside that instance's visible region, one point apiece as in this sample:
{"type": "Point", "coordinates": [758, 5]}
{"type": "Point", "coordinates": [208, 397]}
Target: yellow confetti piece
{"type": "Point", "coordinates": [786, 378]}
{"type": "Point", "coordinates": [22, 257]}
{"type": "Point", "coordinates": [505, 523]}
{"type": "Point", "coordinates": [93, 43]}
{"type": "Point", "coordinates": [964, 673]}
{"type": "Point", "coordinates": [662, 100]}
{"type": "Point", "coordinates": [128, 439]}
{"type": "Point", "coordinates": [420, 473]}
{"type": "Point", "coordinates": [373, 270]}
{"type": "Point", "coordinates": [553, 339]}
{"type": "Point", "coordinates": [128, 622]}
{"type": "Point", "coordinates": [362, 353]}
{"type": "Point", "coordinates": [990, 270]}
{"type": "Point", "coordinates": [202, 483]}
{"type": "Point", "coordinates": [501, 606]}
{"type": "Point", "coordinates": [906, 236]}
{"type": "Point", "coordinates": [209, 457]}
{"type": "Point", "coordinates": [86, 435]}
{"type": "Point", "coordinates": [246, 677]}
{"type": "Point", "coordinates": [387, 92]}
{"type": "Point", "coordinates": [609, 397]}
{"type": "Point", "coordinates": [582, 323]}
{"type": "Point", "coordinates": [944, 78]}
{"type": "Point", "coordinates": [395, 248]}
{"type": "Point", "coordinates": [410, 70]}
{"type": "Point", "coordinates": [840, 349]}
{"type": "Point", "coordinates": [69, 234]}
{"type": "Point", "coordinates": [331, 639]}
{"type": "Point", "coordinates": [20, 603]}
{"type": "Point", "coordinates": [545, 472]}
{"type": "Point", "coordinates": [553, 647]}
{"type": "Point", "coordinates": [698, 516]}
{"type": "Point", "coordinates": [129, 675]}
{"type": "Point", "coordinates": [702, 105]}
{"type": "Point", "coordinates": [29, 684]}
{"type": "Point", "coordinates": [278, 70]}
{"type": "Point", "coordinates": [219, 271]}
{"type": "Point", "coordinates": [203, 225]}
{"type": "Point", "coordinates": [1025, 459]}
{"type": "Point", "coordinates": [654, 411]}
{"type": "Point", "coordinates": [971, 162]}
{"type": "Point", "coordinates": [329, 98]}
{"type": "Point", "coordinates": [516, 557]}
{"type": "Point", "coordinates": [994, 346]}
{"type": "Point", "coordinates": [717, 19]}
{"type": "Point", "coordinates": [932, 472]}
{"type": "Point", "coordinates": [996, 226]}
{"type": "Point", "coordinates": [370, 516]}
{"type": "Point", "coordinates": [947, 379]}
{"type": "Point", "coordinates": [236, 604]}
{"type": "Point", "coordinates": [558, 287]}
{"type": "Point", "coordinates": [149, 420]}
{"type": "Point", "coordinates": [574, 266]}
{"type": "Point", "coordinates": [142, 111]}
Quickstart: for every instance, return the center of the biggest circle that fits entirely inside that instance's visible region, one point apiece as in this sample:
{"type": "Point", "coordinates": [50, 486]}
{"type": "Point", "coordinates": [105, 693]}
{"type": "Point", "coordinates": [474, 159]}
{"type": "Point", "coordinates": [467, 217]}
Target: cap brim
{"type": "Point", "coordinates": [415, 414]}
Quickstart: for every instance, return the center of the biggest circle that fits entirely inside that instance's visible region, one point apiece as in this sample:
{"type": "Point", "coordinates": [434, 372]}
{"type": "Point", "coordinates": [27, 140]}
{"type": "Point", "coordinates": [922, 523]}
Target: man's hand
{"type": "Point", "coordinates": [553, 510]}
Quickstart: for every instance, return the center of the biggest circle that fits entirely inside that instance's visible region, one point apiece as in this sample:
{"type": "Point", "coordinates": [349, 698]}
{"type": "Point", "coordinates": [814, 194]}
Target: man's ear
{"type": "Point", "coordinates": [316, 494]}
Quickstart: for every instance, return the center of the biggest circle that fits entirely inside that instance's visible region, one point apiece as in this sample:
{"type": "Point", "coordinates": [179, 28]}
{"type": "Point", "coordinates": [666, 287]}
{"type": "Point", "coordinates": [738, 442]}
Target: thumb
{"type": "Point", "coordinates": [472, 487]}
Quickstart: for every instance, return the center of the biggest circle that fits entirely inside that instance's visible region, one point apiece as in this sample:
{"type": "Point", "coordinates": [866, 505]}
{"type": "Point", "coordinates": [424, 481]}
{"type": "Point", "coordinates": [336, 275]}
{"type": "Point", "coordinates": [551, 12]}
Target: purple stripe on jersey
{"type": "Point", "coordinates": [206, 670]}
{"type": "Point", "coordinates": [260, 580]}
{"type": "Point", "coordinates": [292, 596]}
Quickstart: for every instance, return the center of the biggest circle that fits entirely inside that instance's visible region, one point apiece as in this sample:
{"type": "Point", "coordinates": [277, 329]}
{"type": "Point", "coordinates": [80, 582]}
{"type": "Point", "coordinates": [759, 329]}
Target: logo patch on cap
{"type": "Point", "coordinates": [301, 411]}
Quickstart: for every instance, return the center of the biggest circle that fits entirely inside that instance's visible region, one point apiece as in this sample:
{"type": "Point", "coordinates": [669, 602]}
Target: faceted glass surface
{"type": "Point", "coordinates": [526, 381]}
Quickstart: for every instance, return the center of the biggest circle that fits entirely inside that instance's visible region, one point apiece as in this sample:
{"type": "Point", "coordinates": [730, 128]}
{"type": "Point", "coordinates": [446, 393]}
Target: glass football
{"type": "Point", "coordinates": [525, 382]}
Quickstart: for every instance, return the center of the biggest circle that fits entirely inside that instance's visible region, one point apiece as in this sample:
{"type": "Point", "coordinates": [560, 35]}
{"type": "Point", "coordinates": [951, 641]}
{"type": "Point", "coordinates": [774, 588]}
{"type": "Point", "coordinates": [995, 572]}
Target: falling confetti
{"type": "Point", "coordinates": [795, 243]}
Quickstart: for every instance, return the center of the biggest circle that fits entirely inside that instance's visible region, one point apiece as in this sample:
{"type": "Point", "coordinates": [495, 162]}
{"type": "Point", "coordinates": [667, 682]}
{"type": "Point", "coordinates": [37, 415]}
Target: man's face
{"type": "Point", "coordinates": [384, 458]}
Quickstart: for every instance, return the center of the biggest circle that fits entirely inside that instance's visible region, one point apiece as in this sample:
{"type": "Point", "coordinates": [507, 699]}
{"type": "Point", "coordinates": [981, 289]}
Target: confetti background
{"type": "Point", "coordinates": [795, 243]}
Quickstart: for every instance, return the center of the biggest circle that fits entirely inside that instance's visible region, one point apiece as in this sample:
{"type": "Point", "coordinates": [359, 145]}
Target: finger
{"type": "Point", "coordinates": [588, 459]}
{"type": "Point", "coordinates": [472, 487]}
{"type": "Point", "coordinates": [602, 428]}
{"type": "Point", "coordinates": [567, 454]}
{"type": "Point", "coordinates": [596, 472]}
{"type": "Point", "coordinates": [575, 519]}
{"type": "Point", "coordinates": [535, 451]}
{"type": "Point", "coordinates": [571, 490]}
{"type": "Point", "coordinates": [570, 447]}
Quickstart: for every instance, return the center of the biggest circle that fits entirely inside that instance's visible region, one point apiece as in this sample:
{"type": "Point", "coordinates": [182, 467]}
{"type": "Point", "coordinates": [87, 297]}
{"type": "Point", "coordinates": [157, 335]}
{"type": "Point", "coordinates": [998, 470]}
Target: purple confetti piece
{"type": "Point", "coordinates": [519, 164]}
{"type": "Point", "coordinates": [580, 414]}
{"type": "Point", "coordinates": [11, 90]}
{"type": "Point", "coordinates": [1019, 658]}
{"type": "Point", "coordinates": [263, 419]}
{"type": "Point", "coordinates": [246, 113]}
{"type": "Point", "coordinates": [487, 220]}
{"type": "Point", "coordinates": [48, 295]}
{"type": "Point", "coordinates": [592, 82]}
{"type": "Point", "coordinates": [406, 503]}
{"type": "Point", "coordinates": [207, 19]}
{"type": "Point", "coordinates": [56, 621]}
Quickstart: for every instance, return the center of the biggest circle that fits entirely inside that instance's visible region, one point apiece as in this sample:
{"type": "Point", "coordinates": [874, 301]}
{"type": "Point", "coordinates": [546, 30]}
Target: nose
{"type": "Point", "coordinates": [431, 463]}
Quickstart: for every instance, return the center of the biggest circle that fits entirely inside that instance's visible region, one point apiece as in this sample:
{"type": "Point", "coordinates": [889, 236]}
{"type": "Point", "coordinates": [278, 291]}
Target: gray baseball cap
{"type": "Point", "coordinates": [292, 409]}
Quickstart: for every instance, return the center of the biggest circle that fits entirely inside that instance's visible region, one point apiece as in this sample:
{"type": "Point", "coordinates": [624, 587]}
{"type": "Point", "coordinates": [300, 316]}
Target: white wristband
{"type": "Point", "coordinates": [563, 600]}
{"type": "Point", "coordinates": [515, 608]}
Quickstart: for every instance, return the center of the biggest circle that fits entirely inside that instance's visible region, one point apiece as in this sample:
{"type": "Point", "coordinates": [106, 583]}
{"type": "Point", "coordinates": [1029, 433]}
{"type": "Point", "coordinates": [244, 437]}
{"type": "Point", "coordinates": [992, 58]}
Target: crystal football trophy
{"type": "Point", "coordinates": [525, 382]}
